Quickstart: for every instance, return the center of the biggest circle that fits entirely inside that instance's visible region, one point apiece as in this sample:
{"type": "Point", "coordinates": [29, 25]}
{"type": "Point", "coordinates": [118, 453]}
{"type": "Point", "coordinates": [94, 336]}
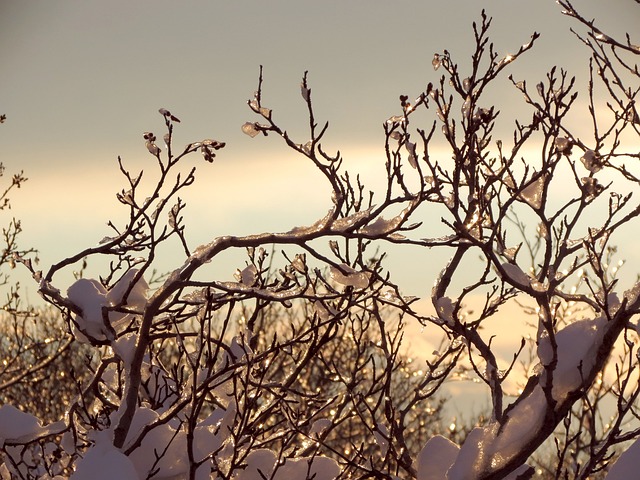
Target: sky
{"type": "Point", "coordinates": [83, 79]}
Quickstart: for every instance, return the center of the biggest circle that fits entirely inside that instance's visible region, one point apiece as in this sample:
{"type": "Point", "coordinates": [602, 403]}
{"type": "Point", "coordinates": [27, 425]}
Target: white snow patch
{"type": "Point", "coordinates": [627, 465]}
{"type": "Point", "coordinates": [104, 462]}
{"type": "Point", "coordinates": [577, 344]}
{"type": "Point", "coordinates": [15, 423]}
{"type": "Point", "coordinates": [91, 297]}
{"type": "Point", "coordinates": [436, 458]}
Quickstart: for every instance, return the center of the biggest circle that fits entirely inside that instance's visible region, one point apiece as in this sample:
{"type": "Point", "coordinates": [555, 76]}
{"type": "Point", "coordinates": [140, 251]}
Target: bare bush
{"type": "Point", "coordinates": [295, 367]}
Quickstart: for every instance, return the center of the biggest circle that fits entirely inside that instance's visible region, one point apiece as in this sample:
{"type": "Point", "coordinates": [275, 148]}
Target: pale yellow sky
{"type": "Point", "coordinates": [82, 79]}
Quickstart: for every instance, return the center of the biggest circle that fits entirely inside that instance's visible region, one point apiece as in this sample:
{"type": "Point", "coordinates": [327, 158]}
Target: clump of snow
{"type": "Point", "coordinates": [318, 468]}
{"type": "Point", "coordinates": [436, 458]}
{"type": "Point", "coordinates": [627, 465]}
{"type": "Point", "coordinates": [92, 297]}
{"type": "Point", "coordinates": [445, 309]}
{"type": "Point", "coordinates": [103, 461]}
{"type": "Point", "coordinates": [262, 463]}
{"type": "Point", "coordinates": [15, 424]}
{"type": "Point", "coordinates": [489, 448]}
{"type": "Point", "coordinates": [319, 426]}
{"type": "Point", "coordinates": [124, 347]}
{"type": "Point", "coordinates": [577, 344]}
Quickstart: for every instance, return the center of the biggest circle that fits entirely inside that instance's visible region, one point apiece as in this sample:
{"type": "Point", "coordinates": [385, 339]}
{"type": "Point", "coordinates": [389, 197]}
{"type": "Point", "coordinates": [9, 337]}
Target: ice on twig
{"type": "Point", "coordinates": [466, 108]}
{"type": "Point", "coordinates": [563, 145]}
{"type": "Point", "coordinates": [299, 263]}
{"type": "Point", "coordinates": [436, 61]}
{"type": "Point", "coordinates": [532, 194]}
{"type": "Point", "coordinates": [350, 277]}
{"type": "Point", "coordinates": [445, 309]}
{"type": "Point", "coordinates": [324, 312]}
{"type": "Point", "coordinates": [381, 226]}
{"type": "Point", "coordinates": [247, 276]}
{"type": "Point", "coordinates": [381, 434]}
{"type": "Point", "coordinates": [348, 222]}
{"type": "Point", "coordinates": [515, 274]}
{"type": "Point", "coordinates": [413, 158]}
{"type": "Point", "coordinates": [396, 119]}
{"type": "Point", "coordinates": [250, 129]}
{"type": "Point", "coordinates": [305, 92]}
{"type": "Point", "coordinates": [592, 161]}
